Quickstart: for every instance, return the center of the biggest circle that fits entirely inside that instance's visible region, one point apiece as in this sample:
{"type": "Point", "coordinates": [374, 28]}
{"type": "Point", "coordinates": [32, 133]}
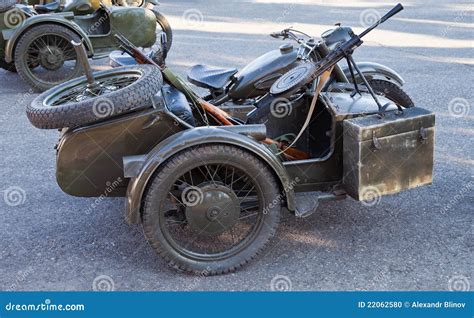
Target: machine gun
{"type": "Point", "coordinates": [318, 73]}
{"type": "Point", "coordinates": [293, 81]}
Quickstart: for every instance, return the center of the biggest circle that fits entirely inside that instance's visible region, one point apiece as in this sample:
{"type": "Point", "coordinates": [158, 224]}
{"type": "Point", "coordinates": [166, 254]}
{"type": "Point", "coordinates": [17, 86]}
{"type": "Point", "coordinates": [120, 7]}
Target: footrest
{"type": "Point", "coordinates": [308, 202]}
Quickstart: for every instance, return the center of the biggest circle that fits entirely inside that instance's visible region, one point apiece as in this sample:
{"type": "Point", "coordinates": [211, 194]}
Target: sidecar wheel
{"type": "Point", "coordinates": [211, 209]}
{"type": "Point", "coordinates": [45, 57]}
{"type": "Point", "coordinates": [114, 92]}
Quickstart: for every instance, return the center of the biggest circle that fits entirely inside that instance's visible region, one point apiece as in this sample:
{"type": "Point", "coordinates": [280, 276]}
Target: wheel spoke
{"type": "Point", "coordinates": [214, 236]}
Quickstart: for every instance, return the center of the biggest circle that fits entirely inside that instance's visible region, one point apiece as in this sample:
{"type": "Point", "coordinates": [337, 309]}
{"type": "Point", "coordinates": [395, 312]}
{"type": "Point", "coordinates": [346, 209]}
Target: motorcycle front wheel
{"type": "Point", "coordinates": [387, 89]}
{"type": "Point", "coordinates": [391, 91]}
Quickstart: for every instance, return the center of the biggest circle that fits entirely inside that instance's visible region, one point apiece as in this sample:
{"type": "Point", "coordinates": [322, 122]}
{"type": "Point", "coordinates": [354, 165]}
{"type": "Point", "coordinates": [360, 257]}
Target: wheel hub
{"type": "Point", "coordinates": [51, 58]}
{"type": "Point", "coordinates": [217, 212]}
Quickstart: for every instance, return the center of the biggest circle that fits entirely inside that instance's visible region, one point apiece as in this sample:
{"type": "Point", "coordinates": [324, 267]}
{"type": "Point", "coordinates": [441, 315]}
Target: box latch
{"type": "Point", "coordinates": [375, 142]}
{"type": "Point", "coordinates": [423, 135]}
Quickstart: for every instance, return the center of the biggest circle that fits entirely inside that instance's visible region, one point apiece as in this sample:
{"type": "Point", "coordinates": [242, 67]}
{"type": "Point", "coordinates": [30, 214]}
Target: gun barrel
{"type": "Point", "coordinates": [387, 16]}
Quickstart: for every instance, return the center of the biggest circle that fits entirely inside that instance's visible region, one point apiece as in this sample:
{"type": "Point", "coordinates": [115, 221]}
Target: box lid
{"type": "Point", "coordinates": [393, 123]}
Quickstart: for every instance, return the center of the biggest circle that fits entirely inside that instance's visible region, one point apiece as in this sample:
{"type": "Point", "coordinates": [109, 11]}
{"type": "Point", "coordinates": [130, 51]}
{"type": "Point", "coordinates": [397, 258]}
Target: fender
{"type": "Point", "coordinates": [141, 168]}
{"type": "Point", "coordinates": [375, 70]}
{"type": "Point", "coordinates": [12, 36]}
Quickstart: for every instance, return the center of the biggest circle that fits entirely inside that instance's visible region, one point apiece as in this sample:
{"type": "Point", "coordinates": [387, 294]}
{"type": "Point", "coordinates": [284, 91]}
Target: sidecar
{"type": "Point", "coordinates": [38, 46]}
{"type": "Point", "coordinates": [209, 197]}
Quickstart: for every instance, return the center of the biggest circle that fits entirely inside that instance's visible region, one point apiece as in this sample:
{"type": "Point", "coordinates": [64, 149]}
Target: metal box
{"type": "Point", "coordinates": [385, 155]}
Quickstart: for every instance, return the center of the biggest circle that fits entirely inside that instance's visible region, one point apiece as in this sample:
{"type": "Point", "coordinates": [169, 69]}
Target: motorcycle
{"type": "Point", "coordinates": [208, 188]}
{"type": "Point", "coordinates": [228, 87]}
{"type": "Point", "coordinates": [82, 7]}
{"type": "Point", "coordinates": [37, 46]}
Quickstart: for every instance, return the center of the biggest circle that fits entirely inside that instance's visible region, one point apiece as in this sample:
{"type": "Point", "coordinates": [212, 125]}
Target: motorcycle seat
{"type": "Point", "coordinates": [210, 78]}
{"type": "Point", "coordinates": [47, 8]}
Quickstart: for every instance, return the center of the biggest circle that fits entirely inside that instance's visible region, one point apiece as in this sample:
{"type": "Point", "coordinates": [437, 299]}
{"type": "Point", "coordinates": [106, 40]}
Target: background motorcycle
{"type": "Point", "coordinates": [39, 46]}
{"type": "Point", "coordinates": [89, 6]}
{"type": "Point", "coordinates": [79, 8]}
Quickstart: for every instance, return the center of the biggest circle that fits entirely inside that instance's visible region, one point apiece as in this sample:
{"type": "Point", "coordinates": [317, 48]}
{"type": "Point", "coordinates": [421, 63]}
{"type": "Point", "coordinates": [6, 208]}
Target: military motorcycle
{"type": "Point", "coordinates": [38, 46]}
{"type": "Point", "coordinates": [207, 187]}
{"type": "Point", "coordinates": [230, 87]}
{"type": "Point", "coordinates": [89, 6]}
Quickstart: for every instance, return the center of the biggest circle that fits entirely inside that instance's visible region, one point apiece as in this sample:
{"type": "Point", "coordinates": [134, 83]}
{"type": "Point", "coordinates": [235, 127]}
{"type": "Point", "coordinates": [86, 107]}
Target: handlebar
{"type": "Point", "coordinates": [286, 33]}
{"type": "Point", "coordinates": [275, 35]}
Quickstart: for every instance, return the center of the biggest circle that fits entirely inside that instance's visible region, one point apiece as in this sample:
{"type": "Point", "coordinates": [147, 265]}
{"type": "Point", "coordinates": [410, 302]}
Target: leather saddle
{"type": "Point", "coordinates": [47, 8]}
{"type": "Point", "coordinates": [210, 78]}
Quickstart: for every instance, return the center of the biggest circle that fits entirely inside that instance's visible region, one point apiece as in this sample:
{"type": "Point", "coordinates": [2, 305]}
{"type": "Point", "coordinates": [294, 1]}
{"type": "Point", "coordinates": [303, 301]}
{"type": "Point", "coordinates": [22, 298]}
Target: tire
{"type": "Point", "coordinates": [10, 67]}
{"type": "Point", "coordinates": [392, 91]}
{"type": "Point", "coordinates": [47, 112]}
{"type": "Point", "coordinates": [165, 26]}
{"type": "Point", "coordinates": [23, 65]}
{"type": "Point", "coordinates": [5, 5]}
{"type": "Point", "coordinates": [387, 89]}
{"type": "Point", "coordinates": [187, 161]}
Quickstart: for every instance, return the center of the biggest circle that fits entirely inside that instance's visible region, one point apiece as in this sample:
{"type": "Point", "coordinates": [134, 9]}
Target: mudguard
{"type": "Point", "coordinates": [141, 168]}
{"type": "Point", "coordinates": [375, 70]}
{"type": "Point", "coordinates": [12, 35]}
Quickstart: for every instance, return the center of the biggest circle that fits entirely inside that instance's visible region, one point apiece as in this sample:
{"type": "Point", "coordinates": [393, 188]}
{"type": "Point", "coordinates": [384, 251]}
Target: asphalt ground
{"type": "Point", "coordinates": [420, 239]}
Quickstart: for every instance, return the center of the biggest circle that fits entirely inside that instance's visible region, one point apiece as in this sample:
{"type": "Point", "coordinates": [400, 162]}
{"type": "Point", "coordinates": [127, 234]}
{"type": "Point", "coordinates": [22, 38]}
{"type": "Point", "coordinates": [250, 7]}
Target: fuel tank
{"type": "Point", "coordinates": [256, 78]}
{"type": "Point", "coordinates": [138, 25]}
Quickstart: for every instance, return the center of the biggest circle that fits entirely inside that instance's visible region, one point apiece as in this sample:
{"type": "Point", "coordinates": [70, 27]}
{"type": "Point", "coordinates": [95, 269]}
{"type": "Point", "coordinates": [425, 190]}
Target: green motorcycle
{"type": "Point", "coordinates": [38, 46]}
{"type": "Point", "coordinates": [89, 6]}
